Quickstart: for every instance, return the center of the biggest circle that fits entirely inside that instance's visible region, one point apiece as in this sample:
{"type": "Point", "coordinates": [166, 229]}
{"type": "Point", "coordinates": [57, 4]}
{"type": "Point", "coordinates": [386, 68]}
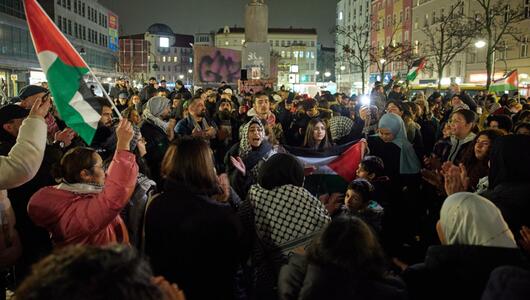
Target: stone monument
{"type": "Point", "coordinates": [256, 50]}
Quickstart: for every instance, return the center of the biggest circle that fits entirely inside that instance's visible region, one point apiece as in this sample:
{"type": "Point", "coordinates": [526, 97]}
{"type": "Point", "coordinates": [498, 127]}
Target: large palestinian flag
{"type": "Point", "coordinates": [508, 83]}
{"type": "Point", "coordinates": [335, 167]}
{"type": "Point", "coordinates": [64, 69]}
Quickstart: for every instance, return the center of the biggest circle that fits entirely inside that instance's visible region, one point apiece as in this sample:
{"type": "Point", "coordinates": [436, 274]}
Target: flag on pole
{"type": "Point", "coordinates": [64, 69]}
{"type": "Point", "coordinates": [417, 66]}
{"type": "Point", "coordinates": [509, 82]}
{"type": "Point", "coordinates": [342, 161]}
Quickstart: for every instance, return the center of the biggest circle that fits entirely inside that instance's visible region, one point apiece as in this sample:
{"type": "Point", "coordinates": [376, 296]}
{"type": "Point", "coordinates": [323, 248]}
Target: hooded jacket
{"type": "Point", "coordinates": [87, 218]}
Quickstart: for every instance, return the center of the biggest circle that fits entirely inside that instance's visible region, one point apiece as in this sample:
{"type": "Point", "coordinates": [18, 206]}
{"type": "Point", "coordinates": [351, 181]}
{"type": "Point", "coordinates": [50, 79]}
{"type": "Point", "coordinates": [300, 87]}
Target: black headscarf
{"type": "Point", "coordinates": [510, 160]}
{"type": "Point", "coordinates": [281, 169]}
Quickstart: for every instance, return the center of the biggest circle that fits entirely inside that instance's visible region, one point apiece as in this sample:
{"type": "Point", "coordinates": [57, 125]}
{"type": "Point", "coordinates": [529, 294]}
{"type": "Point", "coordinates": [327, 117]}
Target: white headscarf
{"type": "Point", "coordinates": [469, 219]}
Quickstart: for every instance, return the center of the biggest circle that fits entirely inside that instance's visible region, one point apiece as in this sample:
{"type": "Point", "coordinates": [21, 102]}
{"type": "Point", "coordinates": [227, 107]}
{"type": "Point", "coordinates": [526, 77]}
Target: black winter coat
{"type": "Point", "coordinates": [304, 281]}
{"type": "Point", "coordinates": [513, 201]}
{"type": "Point", "coordinates": [457, 271]}
{"type": "Point", "coordinates": [194, 242]}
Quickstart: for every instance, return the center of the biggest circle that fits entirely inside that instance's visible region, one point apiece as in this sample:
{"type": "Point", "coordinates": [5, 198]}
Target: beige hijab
{"type": "Point", "coordinates": [469, 219]}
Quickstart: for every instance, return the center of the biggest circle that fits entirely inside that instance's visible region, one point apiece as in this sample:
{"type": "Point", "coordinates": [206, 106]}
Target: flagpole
{"type": "Point", "coordinates": [104, 92]}
{"type": "Point", "coordinates": [69, 43]}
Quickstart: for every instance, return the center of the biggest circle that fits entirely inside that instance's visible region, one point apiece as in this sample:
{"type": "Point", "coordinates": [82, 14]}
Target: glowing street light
{"type": "Point", "coordinates": [342, 68]}
{"type": "Point", "coordinates": [190, 71]}
{"type": "Point", "coordinates": [480, 44]}
{"type": "Point", "coordinates": [382, 60]}
{"type": "Point", "coordinates": [317, 73]}
{"type": "Point", "coordinates": [181, 76]}
{"type": "Point", "coordinates": [327, 74]}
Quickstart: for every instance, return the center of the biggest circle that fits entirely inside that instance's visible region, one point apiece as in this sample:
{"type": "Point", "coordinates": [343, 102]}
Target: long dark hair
{"type": "Point", "coordinates": [350, 245]}
{"type": "Point", "coordinates": [309, 140]}
{"type": "Point", "coordinates": [189, 161]}
{"type": "Point", "coordinates": [477, 169]}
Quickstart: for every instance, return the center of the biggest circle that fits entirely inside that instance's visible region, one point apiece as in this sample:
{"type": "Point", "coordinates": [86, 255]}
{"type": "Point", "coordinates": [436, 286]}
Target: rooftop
{"type": "Point", "coordinates": [290, 30]}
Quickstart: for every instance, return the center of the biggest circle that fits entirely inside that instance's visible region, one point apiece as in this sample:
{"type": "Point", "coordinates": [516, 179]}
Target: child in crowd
{"type": "Point", "coordinates": [358, 202]}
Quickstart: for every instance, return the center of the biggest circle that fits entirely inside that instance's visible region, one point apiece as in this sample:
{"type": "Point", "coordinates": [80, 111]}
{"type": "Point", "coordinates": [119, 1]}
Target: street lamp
{"type": "Point", "coordinates": [382, 60]}
{"type": "Point", "coordinates": [181, 76]}
{"type": "Point", "coordinates": [190, 71]}
{"type": "Point", "coordinates": [317, 73]}
{"type": "Point", "coordinates": [481, 44]}
{"type": "Point", "coordinates": [327, 74]}
{"type": "Point", "coordinates": [342, 68]}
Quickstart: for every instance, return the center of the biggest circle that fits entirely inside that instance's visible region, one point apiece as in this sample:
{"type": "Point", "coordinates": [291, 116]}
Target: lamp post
{"type": "Point", "coordinates": [481, 44]}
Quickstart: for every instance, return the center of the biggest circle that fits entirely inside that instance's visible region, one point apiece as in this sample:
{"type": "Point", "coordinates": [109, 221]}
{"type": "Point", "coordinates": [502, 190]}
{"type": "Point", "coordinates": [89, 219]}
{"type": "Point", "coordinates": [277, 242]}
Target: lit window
{"type": "Point", "coordinates": [340, 15]}
{"type": "Point", "coordinates": [163, 59]}
{"type": "Point", "coordinates": [164, 42]}
{"type": "Point", "coordinates": [175, 59]}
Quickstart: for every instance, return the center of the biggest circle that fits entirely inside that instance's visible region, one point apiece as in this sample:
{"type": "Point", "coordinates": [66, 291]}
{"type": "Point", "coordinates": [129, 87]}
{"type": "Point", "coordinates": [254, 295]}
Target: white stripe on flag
{"type": "Point", "coordinates": [321, 164]}
{"type": "Point", "coordinates": [46, 59]}
{"type": "Point", "coordinates": [89, 114]}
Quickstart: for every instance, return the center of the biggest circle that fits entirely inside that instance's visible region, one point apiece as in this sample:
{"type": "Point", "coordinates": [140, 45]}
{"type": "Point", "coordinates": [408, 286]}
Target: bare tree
{"type": "Point", "coordinates": [354, 42]}
{"type": "Point", "coordinates": [390, 52]}
{"type": "Point", "coordinates": [496, 20]}
{"type": "Point", "coordinates": [447, 36]}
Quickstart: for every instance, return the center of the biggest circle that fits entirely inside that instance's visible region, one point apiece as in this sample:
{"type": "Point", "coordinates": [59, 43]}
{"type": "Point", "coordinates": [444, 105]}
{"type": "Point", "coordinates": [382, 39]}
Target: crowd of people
{"type": "Point", "coordinates": [198, 196]}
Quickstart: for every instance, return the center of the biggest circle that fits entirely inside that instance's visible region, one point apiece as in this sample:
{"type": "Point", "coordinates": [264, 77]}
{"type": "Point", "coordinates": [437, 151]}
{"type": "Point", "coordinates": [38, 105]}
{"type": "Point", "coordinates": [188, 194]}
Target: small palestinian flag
{"type": "Point", "coordinates": [508, 83]}
{"type": "Point", "coordinates": [64, 69]}
{"type": "Point", "coordinates": [417, 66]}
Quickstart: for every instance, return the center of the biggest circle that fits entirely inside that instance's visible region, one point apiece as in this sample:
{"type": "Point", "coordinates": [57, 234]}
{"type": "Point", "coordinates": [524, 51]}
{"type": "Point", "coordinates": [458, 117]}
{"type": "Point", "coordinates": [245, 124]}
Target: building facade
{"type": "Point", "coordinates": [205, 39]}
{"type": "Point", "coordinates": [350, 14]}
{"type": "Point", "coordinates": [470, 65]}
{"type": "Point", "coordinates": [391, 26]}
{"type": "Point", "coordinates": [161, 53]}
{"type": "Point", "coordinates": [325, 64]}
{"type": "Point", "coordinates": [510, 53]}
{"type": "Point", "coordinates": [427, 13]}
{"type": "Point", "coordinates": [294, 48]}
{"type": "Point", "coordinates": [91, 28]}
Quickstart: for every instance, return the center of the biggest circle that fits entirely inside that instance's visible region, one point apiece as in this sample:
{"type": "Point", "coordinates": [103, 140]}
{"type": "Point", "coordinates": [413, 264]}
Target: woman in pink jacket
{"type": "Point", "coordinates": [85, 207]}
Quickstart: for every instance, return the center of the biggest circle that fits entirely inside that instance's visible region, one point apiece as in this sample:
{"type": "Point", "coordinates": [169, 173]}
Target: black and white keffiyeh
{"type": "Point", "coordinates": [287, 217]}
{"type": "Point", "coordinates": [340, 126]}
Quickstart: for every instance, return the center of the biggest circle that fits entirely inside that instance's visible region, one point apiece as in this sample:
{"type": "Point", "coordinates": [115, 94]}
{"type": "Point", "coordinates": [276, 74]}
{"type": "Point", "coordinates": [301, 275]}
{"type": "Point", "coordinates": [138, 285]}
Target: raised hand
{"type": "Point", "coordinates": [170, 291]}
{"type": "Point", "coordinates": [66, 136]}
{"type": "Point", "coordinates": [124, 134]}
{"type": "Point", "coordinates": [224, 183]}
{"type": "Point", "coordinates": [40, 108]}
{"type": "Point", "coordinates": [239, 165]}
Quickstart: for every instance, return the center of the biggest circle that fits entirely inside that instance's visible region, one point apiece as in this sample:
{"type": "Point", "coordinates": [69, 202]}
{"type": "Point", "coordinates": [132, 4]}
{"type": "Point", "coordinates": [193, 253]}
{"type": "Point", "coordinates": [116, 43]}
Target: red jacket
{"type": "Point", "coordinates": [88, 218]}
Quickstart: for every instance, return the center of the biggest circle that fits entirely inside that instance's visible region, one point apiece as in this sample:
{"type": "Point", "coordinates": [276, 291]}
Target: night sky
{"type": "Point", "coordinates": [191, 16]}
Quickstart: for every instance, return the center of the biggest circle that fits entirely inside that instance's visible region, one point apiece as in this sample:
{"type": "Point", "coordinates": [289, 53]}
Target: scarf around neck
{"type": "Point", "coordinates": [80, 188]}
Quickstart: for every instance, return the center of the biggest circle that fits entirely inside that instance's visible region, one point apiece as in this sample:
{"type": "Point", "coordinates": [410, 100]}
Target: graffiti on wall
{"type": "Point", "coordinates": [215, 65]}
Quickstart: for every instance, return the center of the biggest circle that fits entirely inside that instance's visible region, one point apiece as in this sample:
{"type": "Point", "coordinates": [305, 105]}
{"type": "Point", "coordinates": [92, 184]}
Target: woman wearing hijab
{"type": "Point", "coordinates": [475, 240]}
{"type": "Point", "coordinates": [244, 158]}
{"type": "Point", "coordinates": [153, 129]}
{"type": "Point", "coordinates": [509, 179]}
{"type": "Point", "coordinates": [392, 145]}
{"type": "Point", "coordinates": [402, 166]}
{"type": "Point", "coordinates": [284, 216]}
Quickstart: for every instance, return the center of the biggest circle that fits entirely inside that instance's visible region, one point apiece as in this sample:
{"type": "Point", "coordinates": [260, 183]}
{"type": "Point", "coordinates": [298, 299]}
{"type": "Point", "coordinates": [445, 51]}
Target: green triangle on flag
{"type": "Point", "coordinates": [508, 83]}
{"type": "Point", "coordinates": [417, 66]}
{"type": "Point", "coordinates": [64, 69]}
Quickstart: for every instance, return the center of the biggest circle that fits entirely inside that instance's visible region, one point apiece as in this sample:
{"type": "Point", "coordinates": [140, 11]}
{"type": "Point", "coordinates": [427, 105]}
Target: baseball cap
{"type": "Point", "coordinates": [31, 90]}
{"type": "Point", "coordinates": [10, 112]}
